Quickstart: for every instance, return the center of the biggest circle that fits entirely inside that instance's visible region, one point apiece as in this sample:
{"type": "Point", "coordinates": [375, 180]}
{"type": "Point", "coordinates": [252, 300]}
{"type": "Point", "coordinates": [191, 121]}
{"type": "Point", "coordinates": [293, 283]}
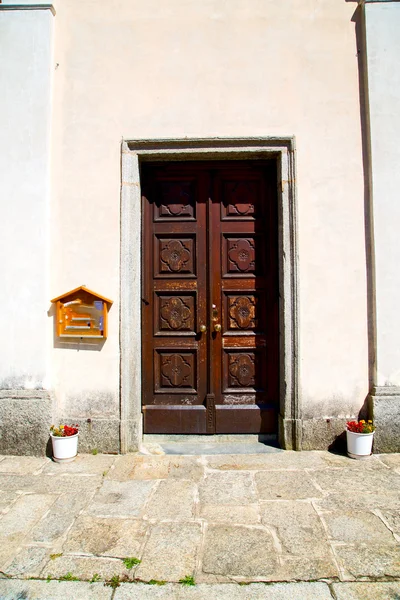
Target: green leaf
{"type": "Point", "coordinates": [130, 562]}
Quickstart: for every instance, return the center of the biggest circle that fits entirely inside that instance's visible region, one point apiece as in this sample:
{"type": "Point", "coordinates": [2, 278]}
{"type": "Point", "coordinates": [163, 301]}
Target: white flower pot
{"type": "Point", "coordinates": [65, 448]}
{"type": "Point", "coordinates": [359, 445]}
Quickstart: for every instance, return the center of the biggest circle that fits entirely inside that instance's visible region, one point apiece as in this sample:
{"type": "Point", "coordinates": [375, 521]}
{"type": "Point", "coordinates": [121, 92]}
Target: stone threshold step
{"type": "Point", "coordinates": [158, 438]}
{"type": "Point", "coordinates": [214, 444]}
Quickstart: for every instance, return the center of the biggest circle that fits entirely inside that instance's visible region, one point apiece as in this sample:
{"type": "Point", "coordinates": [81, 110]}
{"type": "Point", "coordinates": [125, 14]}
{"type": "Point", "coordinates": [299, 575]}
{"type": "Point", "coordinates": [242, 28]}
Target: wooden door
{"type": "Point", "coordinates": [210, 298]}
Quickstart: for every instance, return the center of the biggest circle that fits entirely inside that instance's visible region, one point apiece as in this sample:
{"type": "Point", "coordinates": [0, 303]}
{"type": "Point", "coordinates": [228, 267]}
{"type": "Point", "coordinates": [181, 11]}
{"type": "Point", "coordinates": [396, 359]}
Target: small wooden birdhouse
{"type": "Point", "coordinates": [82, 313]}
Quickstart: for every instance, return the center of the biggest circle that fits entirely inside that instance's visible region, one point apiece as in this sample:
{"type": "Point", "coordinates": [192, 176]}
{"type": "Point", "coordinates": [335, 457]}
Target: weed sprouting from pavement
{"type": "Point", "coordinates": [131, 562]}
{"type": "Point", "coordinates": [188, 580]}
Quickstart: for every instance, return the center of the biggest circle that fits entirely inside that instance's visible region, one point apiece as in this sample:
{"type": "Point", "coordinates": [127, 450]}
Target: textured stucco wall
{"type": "Point", "coordinates": [25, 109]}
{"type": "Point", "coordinates": [382, 22]}
{"type": "Point", "coordinates": [132, 69]}
{"type": "Point", "coordinates": [176, 69]}
{"type": "Point", "coordinates": [382, 48]}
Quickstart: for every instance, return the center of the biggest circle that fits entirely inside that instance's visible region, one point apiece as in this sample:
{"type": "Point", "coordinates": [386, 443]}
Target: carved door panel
{"type": "Point", "coordinates": [174, 300]}
{"type": "Point", "coordinates": [244, 297]}
{"type": "Point", "coordinates": [209, 301]}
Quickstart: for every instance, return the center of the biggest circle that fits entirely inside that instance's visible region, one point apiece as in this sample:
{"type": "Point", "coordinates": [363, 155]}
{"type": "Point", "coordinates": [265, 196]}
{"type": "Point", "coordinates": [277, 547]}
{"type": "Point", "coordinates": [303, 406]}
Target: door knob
{"type": "Point", "coordinates": [203, 328]}
{"type": "Point", "coordinates": [217, 327]}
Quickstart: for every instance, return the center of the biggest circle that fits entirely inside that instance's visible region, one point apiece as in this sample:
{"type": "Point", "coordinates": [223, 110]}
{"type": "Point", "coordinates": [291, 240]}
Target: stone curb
{"type": "Point", "coordinates": [11, 589]}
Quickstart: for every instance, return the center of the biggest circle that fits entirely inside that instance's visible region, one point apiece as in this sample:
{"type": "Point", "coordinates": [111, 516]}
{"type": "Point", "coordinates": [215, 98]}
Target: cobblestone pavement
{"type": "Point", "coordinates": [304, 526]}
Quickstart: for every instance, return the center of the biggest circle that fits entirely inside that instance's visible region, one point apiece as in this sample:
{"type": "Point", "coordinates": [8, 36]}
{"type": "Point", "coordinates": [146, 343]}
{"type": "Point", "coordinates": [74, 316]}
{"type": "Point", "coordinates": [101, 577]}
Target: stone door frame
{"type": "Point", "coordinates": [133, 152]}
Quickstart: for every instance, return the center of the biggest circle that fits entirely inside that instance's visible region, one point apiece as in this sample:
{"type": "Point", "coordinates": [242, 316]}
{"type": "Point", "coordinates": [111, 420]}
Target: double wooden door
{"type": "Point", "coordinates": [210, 297]}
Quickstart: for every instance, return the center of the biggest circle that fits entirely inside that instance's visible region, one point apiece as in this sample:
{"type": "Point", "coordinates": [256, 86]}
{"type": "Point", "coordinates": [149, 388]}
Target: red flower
{"type": "Point", "coordinates": [70, 430]}
{"type": "Point", "coordinates": [360, 426]}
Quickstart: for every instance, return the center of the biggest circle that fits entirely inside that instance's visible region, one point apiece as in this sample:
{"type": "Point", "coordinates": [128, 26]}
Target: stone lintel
{"type": "Point", "coordinates": [13, 7]}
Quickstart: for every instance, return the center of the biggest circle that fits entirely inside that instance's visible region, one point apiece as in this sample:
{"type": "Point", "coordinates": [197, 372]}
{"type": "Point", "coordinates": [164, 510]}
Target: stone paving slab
{"type": "Point", "coordinates": [241, 515]}
{"type": "Point", "coordinates": [277, 517]}
{"type": "Point", "coordinates": [367, 481]}
{"type": "Point", "coordinates": [280, 460]}
{"type": "Point", "coordinates": [355, 501]}
{"type": "Point", "coordinates": [369, 561]}
{"type": "Point", "coordinates": [239, 552]}
{"type": "Point", "coordinates": [53, 590]}
{"type": "Point", "coordinates": [367, 591]}
{"type": "Point", "coordinates": [156, 467]}
{"type": "Point", "coordinates": [173, 499]}
{"type": "Point", "coordinates": [16, 524]}
{"type": "Point", "coordinates": [391, 460]}
{"type": "Point", "coordinates": [84, 567]}
{"type": "Point", "coordinates": [285, 485]}
{"type": "Point", "coordinates": [121, 498]}
{"type": "Point", "coordinates": [355, 527]}
{"type": "Point", "coordinates": [227, 488]}
{"type": "Point", "coordinates": [6, 499]}
{"type": "Point", "coordinates": [61, 516]}
{"type": "Point", "coordinates": [106, 537]}
{"type": "Point", "coordinates": [306, 568]}
{"type": "Point", "coordinates": [225, 591]}
{"type": "Point", "coordinates": [84, 463]}
{"type": "Point", "coordinates": [29, 562]}
{"type": "Point", "coordinates": [392, 519]}
{"type": "Point", "coordinates": [298, 527]}
{"type": "Point", "coordinates": [23, 465]}
{"type": "Point", "coordinates": [77, 590]}
{"type": "Point", "coordinates": [49, 484]}
{"type": "Point", "coordinates": [171, 552]}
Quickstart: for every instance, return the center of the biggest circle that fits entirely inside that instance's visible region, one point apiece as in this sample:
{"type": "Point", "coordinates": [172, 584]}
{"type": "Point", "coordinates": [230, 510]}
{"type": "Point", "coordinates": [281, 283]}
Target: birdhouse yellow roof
{"type": "Point", "coordinates": [82, 288]}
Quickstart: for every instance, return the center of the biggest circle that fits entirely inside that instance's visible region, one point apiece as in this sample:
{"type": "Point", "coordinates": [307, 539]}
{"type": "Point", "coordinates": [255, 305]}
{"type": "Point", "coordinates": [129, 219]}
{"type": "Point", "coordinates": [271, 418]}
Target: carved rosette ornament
{"type": "Point", "coordinates": [242, 255]}
{"type": "Point", "coordinates": [242, 312]}
{"type": "Point", "coordinates": [176, 371]}
{"type": "Point", "coordinates": [175, 314]}
{"type": "Point", "coordinates": [241, 370]}
{"type": "Point", "coordinates": [175, 256]}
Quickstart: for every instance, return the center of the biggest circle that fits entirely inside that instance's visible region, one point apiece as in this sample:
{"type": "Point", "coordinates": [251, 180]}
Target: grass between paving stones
{"type": "Point", "coordinates": [68, 577]}
{"type": "Point", "coordinates": [131, 562]}
{"type": "Point", "coordinates": [188, 580]}
{"type": "Point", "coordinates": [114, 582]}
{"type": "Point", "coordinates": [54, 556]}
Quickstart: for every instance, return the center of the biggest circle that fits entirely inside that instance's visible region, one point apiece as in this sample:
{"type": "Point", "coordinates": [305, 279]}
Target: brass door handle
{"type": "Point", "coordinates": [203, 328]}
{"type": "Point", "coordinates": [217, 327]}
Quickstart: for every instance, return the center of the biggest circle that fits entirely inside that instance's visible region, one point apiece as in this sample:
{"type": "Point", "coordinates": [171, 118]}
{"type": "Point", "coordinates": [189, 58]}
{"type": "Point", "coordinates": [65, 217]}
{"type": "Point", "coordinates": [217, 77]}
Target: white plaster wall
{"type": "Point", "coordinates": [132, 69]}
{"type": "Point", "coordinates": [25, 102]}
{"type": "Point", "coordinates": [383, 50]}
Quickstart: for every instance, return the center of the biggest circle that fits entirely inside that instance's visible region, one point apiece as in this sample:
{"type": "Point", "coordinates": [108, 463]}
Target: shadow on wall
{"type": "Point", "coordinates": [49, 448]}
{"type": "Point", "coordinates": [357, 19]}
{"type": "Point", "coordinates": [339, 444]}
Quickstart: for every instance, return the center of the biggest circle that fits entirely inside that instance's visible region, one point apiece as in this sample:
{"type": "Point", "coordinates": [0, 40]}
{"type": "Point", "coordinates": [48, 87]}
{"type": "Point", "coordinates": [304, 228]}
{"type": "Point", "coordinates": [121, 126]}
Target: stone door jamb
{"type": "Point", "coordinates": [133, 152]}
